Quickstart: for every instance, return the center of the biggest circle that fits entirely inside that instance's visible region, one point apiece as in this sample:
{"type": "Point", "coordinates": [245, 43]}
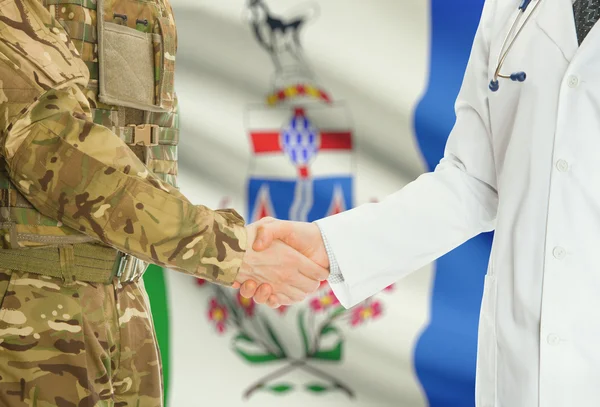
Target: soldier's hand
{"type": "Point", "coordinates": [304, 237]}
{"type": "Point", "coordinates": [288, 275]}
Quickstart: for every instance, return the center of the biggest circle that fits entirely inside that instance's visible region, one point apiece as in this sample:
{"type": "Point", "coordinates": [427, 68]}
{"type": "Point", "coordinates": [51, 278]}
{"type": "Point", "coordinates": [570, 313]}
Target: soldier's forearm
{"type": "Point", "coordinates": [83, 175]}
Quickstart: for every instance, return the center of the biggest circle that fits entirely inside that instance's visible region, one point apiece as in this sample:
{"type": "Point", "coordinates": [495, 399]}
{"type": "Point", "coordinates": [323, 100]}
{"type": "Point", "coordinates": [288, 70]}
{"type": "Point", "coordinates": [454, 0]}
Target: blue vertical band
{"type": "Point", "coordinates": [445, 354]}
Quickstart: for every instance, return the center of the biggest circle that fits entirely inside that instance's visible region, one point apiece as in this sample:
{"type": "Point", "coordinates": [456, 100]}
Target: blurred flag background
{"type": "Point", "coordinates": [300, 110]}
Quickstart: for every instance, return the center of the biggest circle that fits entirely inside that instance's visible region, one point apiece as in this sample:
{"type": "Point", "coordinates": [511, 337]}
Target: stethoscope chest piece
{"type": "Point", "coordinates": [510, 39]}
{"type": "Point", "coordinates": [515, 77]}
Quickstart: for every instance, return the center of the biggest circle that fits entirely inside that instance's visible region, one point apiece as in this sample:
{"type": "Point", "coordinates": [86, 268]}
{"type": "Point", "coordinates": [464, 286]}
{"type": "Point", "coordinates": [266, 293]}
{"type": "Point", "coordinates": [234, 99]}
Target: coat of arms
{"type": "Point", "coordinates": [302, 145]}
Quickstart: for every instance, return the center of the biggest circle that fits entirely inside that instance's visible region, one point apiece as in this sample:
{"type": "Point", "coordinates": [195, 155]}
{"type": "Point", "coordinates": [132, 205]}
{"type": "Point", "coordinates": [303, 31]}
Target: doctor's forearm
{"type": "Point", "coordinates": [377, 244]}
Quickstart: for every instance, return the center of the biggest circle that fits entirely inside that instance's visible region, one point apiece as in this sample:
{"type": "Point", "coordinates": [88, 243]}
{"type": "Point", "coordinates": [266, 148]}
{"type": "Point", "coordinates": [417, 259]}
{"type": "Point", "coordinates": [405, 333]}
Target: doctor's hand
{"type": "Point", "coordinates": [286, 273]}
{"type": "Point", "coordinates": [304, 237]}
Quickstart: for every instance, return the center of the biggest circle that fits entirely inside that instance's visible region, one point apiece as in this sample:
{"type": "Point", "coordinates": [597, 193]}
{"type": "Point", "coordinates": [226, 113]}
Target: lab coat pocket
{"type": "Point", "coordinates": [485, 388]}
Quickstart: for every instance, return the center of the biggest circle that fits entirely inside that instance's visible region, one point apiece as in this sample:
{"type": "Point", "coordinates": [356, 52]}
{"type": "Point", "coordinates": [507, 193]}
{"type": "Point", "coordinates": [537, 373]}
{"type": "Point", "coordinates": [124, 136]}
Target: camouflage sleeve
{"type": "Point", "coordinates": [81, 173]}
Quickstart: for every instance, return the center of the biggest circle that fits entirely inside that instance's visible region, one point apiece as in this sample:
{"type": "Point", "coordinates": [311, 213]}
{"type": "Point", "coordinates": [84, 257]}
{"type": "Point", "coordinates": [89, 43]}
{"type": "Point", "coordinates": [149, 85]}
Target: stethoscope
{"type": "Point", "coordinates": [507, 45]}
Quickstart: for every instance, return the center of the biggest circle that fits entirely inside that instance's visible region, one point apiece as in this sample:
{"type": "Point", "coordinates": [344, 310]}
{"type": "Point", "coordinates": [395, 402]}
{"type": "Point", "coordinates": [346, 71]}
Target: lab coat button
{"type": "Point", "coordinates": [553, 339]}
{"type": "Point", "coordinates": [559, 253]}
{"type": "Point", "coordinates": [562, 165]}
{"type": "Point", "coordinates": [573, 81]}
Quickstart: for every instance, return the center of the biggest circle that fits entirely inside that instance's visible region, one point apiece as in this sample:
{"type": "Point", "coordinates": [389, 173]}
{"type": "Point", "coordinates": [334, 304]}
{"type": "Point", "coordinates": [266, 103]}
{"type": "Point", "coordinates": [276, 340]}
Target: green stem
{"type": "Point", "coordinates": [262, 330]}
{"type": "Point", "coordinates": [323, 325]}
{"type": "Point", "coordinates": [326, 376]}
{"type": "Point", "coordinates": [299, 364]}
{"type": "Point", "coordinates": [312, 320]}
{"type": "Point", "coordinates": [276, 374]}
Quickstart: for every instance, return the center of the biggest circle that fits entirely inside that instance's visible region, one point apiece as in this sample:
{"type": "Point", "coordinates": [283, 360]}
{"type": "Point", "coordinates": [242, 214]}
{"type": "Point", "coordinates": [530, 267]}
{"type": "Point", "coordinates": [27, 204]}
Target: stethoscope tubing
{"type": "Point", "coordinates": [507, 45]}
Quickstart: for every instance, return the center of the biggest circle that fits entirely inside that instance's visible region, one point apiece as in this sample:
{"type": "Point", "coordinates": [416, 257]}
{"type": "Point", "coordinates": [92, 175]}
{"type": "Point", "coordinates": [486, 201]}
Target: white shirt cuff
{"type": "Point", "coordinates": [335, 274]}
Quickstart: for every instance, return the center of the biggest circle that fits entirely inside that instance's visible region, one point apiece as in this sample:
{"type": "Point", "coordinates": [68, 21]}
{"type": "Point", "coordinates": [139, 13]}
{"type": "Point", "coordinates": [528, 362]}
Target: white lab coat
{"type": "Point", "coordinates": [524, 161]}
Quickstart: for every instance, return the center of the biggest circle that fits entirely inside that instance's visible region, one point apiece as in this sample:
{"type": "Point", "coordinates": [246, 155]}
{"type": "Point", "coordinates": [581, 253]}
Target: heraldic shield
{"type": "Point", "coordinates": [302, 160]}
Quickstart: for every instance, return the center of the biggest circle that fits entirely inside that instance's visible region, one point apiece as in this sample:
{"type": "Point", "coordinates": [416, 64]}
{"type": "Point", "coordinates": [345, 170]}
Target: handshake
{"type": "Point", "coordinates": [284, 262]}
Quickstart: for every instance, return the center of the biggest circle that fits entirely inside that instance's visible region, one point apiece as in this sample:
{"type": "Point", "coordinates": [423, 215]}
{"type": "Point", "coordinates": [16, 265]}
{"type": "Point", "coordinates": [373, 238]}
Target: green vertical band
{"type": "Point", "coordinates": [154, 280]}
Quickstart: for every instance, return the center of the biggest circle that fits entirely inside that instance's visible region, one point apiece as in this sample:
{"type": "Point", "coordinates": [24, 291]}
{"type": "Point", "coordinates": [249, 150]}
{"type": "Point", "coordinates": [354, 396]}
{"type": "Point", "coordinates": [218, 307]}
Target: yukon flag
{"type": "Point", "coordinates": [357, 101]}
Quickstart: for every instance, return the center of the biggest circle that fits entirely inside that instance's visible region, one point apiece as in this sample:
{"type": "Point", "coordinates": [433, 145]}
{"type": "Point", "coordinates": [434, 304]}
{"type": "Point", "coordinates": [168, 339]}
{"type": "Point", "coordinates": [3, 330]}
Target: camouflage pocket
{"type": "Point", "coordinates": [35, 305]}
{"type": "Point", "coordinates": [126, 63]}
{"type": "Point", "coordinates": [42, 343]}
{"type": "Point", "coordinates": [134, 63]}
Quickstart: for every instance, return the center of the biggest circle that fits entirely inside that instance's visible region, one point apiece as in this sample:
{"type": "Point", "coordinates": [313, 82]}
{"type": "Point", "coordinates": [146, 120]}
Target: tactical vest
{"type": "Point", "coordinates": [111, 36]}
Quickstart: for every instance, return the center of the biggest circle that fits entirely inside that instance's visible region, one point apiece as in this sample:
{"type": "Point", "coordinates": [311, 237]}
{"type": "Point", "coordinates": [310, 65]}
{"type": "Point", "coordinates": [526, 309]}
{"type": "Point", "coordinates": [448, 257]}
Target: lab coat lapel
{"type": "Point", "coordinates": [555, 18]}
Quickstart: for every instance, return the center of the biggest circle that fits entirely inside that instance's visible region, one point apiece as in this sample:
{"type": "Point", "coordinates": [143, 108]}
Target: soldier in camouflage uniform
{"type": "Point", "coordinates": [88, 197]}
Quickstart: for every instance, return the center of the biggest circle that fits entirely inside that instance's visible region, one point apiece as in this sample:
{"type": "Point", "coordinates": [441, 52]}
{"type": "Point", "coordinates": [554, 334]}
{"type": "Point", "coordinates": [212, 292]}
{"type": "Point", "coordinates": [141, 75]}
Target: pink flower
{"type": "Point", "coordinates": [389, 288]}
{"type": "Point", "coordinates": [363, 313]}
{"type": "Point", "coordinates": [324, 302]}
{"type": "Point", "coordinates": [218, 314]}
{"type": "Point", "coordinates": [282, 310]}
{"type": "Point", "coordinates": [247, 304]}
{"type": "Point", "coordinates": [201, 281]}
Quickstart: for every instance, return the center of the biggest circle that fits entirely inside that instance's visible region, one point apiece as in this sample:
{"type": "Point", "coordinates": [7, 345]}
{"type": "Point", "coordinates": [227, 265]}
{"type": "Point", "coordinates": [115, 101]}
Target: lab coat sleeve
{"type": "Point", "coordinates": [377, 244]}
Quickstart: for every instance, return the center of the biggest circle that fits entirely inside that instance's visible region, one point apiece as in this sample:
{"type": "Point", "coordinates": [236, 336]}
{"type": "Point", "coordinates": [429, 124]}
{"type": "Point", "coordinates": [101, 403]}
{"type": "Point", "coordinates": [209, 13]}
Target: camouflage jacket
{"type": "Point", "coordinates": [63, 136]}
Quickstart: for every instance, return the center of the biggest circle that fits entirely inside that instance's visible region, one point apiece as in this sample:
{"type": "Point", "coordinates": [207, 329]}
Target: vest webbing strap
{"type": "Point", "coordinates": [82, 262]}
{"type": "Point", "coordinates": [164, 135]}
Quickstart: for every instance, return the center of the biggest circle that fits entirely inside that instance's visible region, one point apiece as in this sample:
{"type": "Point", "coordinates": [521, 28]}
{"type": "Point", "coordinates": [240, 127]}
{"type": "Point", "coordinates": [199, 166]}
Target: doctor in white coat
{"type": "Point", "coordinates": [523, 159]}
